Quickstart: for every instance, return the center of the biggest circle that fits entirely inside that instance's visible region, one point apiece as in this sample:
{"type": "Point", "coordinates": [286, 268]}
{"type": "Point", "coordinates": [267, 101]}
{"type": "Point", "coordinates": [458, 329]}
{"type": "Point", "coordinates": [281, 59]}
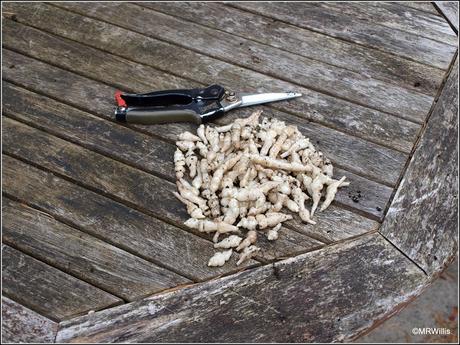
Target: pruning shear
{"type": "Point", "coordinates": [187, 105]}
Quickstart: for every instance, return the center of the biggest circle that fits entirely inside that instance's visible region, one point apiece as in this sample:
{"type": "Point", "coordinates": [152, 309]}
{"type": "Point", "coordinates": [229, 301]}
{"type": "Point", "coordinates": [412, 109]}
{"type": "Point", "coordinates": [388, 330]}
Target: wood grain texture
{"type": "Point", "coordinates": [81, 255]}
{"type": "Point", "coordinates": [145, 192]}
{"type": "Point", "coordinates": [344, 116]}
{"type": "Point", "coordinates": [113, 222]}
{"type": "Point", "coordinates": [371, 63]}
{"type": "Point", "coordinates": [72, 125]}
{"type": "Point", "coordinates": [327, 229]}
{"type": "Point", "coordinates": [423, 217]}
{"type": "Point", "coordinates": [356, 155]}
{"type": "Point", "coordinates": [393, 15]}
{"type": "Point", "coordinates": [416, 48]}
{"type": "Point", "coordinates": [140, 150]}
{"type": "Point", "coordinates": [50, 292]}
{"type": "Point", "coordinates": [450, 10]}
{"type": "Point", "coordinates": [141, 189]}
{"type": "Point", "coordinates": [155, 196]}
{"type": "Point", "coordinates": [89, 181]}
{"type": "Point", "coordinates": [262, 58]}
{"type": "Point", "coordinates": [22, 325]}
{"type": "Point", "coordinates": [323, 296]}
{"type": "Point", "coordinates": [425, 6]}
{"type": "Point", "coordinates": [152, 194]}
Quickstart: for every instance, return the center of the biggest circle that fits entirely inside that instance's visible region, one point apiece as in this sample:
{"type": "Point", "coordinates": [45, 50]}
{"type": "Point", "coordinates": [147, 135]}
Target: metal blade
{"type": "Point", "coordinates": [253, 99]}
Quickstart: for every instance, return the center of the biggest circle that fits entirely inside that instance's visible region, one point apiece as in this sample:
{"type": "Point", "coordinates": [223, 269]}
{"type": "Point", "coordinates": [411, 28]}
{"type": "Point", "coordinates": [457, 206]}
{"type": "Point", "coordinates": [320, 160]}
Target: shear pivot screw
{"type": "Point", "coordinates": [231, 97]}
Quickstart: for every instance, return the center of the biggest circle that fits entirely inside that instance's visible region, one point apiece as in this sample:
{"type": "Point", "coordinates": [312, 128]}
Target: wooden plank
{"type": "Point", "coordinates": [72, 125]}
{"type": "Point", "coordinates": [140, 150]}
{"type": "Point", "coordinates": [425, 6]}
{"type": "Point", "coordinates": [291, 243]}
{"type": "Point", "coordinates": [326, 229]}
{"type": "Point", "coordinates": [82, 255]}
{"type": "Point", "coordinates": [47, 290]}
{"type": "Point", "coordinates": [393, 15]}
{"type": "Point", "coordinates": [257, 27]}
{"type": "Point", "coordinates": [344, 116]}
{"type": "Point", "coordinates": [114, 222]}
{"type": "Point", "coordinates": [22, 325]}
{"type": "Point", "coordinates": [332, 23]}
{"type": "Point", "coordinates": [258, 57]}
{"type": "Point", "coordinates": [371, 63]}
{"type": "Point", "coordinates": [284, 302]}
{"type": "Point", "coordinates": [90, 168]}
{"type": "Point", "coordinates": [57, 155]}
{"type": "Point", "coordinates": [47, 114]}
{"type": "Point", "coordinates": [450, 10]}
{"type": "Point", "coordinates": [145, 192]}
{"type": "Point", "coordinates": [423, 217]}
{"type": "Point", "coordinates": [356, 155]}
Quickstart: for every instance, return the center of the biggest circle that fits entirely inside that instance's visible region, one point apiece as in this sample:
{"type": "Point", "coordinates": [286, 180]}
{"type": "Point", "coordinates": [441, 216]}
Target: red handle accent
{"type": "Point", "coordinates": [120, 101]}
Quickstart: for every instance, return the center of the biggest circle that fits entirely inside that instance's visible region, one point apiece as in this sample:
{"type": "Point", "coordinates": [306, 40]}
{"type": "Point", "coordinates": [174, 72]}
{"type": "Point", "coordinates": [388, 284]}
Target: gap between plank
{"type": "Point", "coordinates": [75, 226]}
{"type": "Point", "coordinates": [286, 111]}
{"type": "Point", "coordinates": [440, 11]}
{"type": "Point", "coordinates": [347, 40]}
{"type": "Point", "coordinates": [126, 203]}
{"type": "Point", "coordinates": [269, 263]}
{"type": "Point", "coordinates": [153, 173]}
{"type": "Point", "coordinates": [229, 4]}
{"type": "Point", "coordinates": [28, 306]}
{"type": "Point", "coordinates": [193, 282]}
{"type": "Point", "coordinates": [12, 245]}
{"type": "Point", "coordinates": [234, 64]}
{"type": "Point", "coordinates": [420, 133]}
{"type": "Point", "coordinates": [168, 178]}
{"type": "Point", "coordinates": [87, 111]}
{"type": "Point", "coordinates": [291, 52]}
{"type": "Point", "coordinates": [125, 300]}
{"type": "Point", "coordinates": [403, 3]}
{"type": "Point", "coordinates": [24, 303]}
{"type": "Point", "coordinates": [404, 254]}
{"type": "Point", "coordinates": [375, 179]}
{"type": "Point", "coordinates": [49, 317]}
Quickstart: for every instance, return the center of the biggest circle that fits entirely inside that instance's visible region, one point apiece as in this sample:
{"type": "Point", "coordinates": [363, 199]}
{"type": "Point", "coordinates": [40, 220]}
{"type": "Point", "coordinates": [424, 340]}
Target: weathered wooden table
{"type": "Point", "coordinates": [89, 219]}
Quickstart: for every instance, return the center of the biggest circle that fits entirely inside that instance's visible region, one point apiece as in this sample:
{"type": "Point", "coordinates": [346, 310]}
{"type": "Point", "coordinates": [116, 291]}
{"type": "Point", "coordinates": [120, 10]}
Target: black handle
{"type": "Point", "coordinates": [193, 105]}
{"type": "Point", "coordinates": [172, 97]}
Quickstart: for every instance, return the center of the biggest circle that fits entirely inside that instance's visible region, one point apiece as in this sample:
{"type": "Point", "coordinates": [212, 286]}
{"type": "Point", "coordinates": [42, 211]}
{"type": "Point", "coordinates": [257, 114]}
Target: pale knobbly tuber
{"type": "Point", "coordinates": [331, 190]}
{"type": "Point", "coordinates": [272, 234]}
{"type": "Point", "coordinates": [220, 258]}
{"type": "Point", "coordinates": [249, 223]}
{"type": "Point", "coordinates": [246, 177]}
{"type": "Point", "coordinates": [251, 238]}
{"type": "Point", "coordinates": [229, 242]}
{"type": "Point", "coordinates": [179, 163]}
{"type": "Point", "coordinates": [193, 210]}
{"type": "Point", "coordinates": [271, 219]}
{"type": "Point", "coordinates": [189, 137]}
